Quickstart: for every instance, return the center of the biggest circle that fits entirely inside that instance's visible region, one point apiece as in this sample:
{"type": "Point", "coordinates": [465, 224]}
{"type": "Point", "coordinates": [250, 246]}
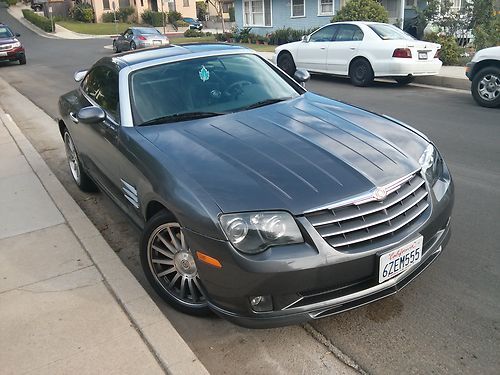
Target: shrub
{"type": "Point", "coordinates": [181, 23]}
{"type": "Point", "coordinates": [152, 18]}
{"type": "Point", "coordinates": [362, 10]}
{"type": "Point", "coordinates": [124, 13]}
{"type": "Point", "coordinates": [208, 33]}
{"type": "Point", "coordinates": [173, 16]}
{"type": "Point", "coordinates": [108, 17]}
{"type": "Point", "coordinates": [191, 33]}
{"type": "Point", "coordinates": [9, 2]}
{"type": "Point", "coordinates": [287, 35]}
{"type": "Point", "coordinates": [40, 21]}
{"type": "Point", "coordinates": [82, 13]}
{"type": "Point", "coordinates": [487, 35]}
{"type": "Point", "coordinates": [450, 51]}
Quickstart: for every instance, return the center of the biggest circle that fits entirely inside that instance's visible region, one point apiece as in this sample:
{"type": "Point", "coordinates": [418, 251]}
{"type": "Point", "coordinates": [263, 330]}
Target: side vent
{"type": "Point", "coordinates": [130, 193]}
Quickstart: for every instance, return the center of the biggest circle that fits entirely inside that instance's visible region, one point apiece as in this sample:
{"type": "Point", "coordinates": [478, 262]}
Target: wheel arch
{"type": "Point", "coordinates": [484, 64]}
{"type": "Point", "coordinates": [153, 207]}
{"type": "Point", "coordinates": [62, 126]}
{"type": "Point", "coordinates": [357, 58]}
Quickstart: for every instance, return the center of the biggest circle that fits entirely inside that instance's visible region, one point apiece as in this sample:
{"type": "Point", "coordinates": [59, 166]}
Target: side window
{"type": "Point", "coordinates": [101, 85]}
{"type": "Point", "coordinates": [324, 35]}
{"type": "Point", "coordinates": [349, 33]}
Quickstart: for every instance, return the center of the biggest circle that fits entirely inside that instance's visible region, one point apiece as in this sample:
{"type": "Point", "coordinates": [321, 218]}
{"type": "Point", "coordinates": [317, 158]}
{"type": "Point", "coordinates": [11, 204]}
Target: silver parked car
{"type": "Point", "coordinates": [139, 37]}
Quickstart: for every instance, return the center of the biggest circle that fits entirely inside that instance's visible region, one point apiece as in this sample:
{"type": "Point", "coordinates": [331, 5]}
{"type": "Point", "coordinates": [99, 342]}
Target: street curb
{"type": "Point", "coordinates": [32, 27]}
{"type": "Point", "coordinates": [170, 350]}
{"type": "Point", "coordinates": [443, 81]}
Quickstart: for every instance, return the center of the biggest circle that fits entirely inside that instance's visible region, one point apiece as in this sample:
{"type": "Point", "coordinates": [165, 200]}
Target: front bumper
{"type": "Point", "coordinates": [311, 280]}
{"type": "Point", "coordinates": [469, 67]}
{"type": "Point", "coordinates": [12, 54]}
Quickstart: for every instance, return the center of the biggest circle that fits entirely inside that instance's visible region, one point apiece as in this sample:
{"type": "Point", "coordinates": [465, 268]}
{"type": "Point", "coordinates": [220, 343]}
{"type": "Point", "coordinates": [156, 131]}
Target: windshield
{"type": "Point", "coordinates": [147, 30]}
{"type": "Point", "coordinates": [189, 19]}
{"type": "Point", "coordinates": [5, 32]}
{"type": "Point", "coordinates": [390, 32]}
{"type": "Point", "coordinates": [204, 87]}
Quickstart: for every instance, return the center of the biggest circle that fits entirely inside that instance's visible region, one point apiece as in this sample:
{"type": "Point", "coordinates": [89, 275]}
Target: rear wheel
{"type": "Point", "coordinates": [169, 265]}
{"type": "Point", "coordinates": [286, 63]}
{"type": "Point", "coordinates": [485, 87]}
{"type": "Point", "coordinates": [404, 80]}
{"type": "Point", "coordinates": [82, 180]}
{"type": "Point", "coordinates": [133, 46]}
{"type": "Point", "coordinates": [115, 47]}
{"type": "Point", "coordinates": [361, 73]}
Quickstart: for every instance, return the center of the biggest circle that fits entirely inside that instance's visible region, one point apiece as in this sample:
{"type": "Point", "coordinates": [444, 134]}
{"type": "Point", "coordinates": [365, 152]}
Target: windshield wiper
{"type": "Point", "coordinates": [181, 117]}
{"type": "Point", "coordinates": [263, 103]}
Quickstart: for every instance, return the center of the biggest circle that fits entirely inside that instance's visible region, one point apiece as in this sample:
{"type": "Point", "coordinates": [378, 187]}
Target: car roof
{"type": "Point", "coordinates": [150, 54]}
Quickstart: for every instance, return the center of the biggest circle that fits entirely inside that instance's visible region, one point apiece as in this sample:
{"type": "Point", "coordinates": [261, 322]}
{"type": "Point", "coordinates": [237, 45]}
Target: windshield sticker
{"type": "Point", "coordinates": [204, 74]}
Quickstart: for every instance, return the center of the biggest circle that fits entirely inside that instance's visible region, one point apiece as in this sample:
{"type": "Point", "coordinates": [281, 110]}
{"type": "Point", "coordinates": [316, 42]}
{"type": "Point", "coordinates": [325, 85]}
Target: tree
{"type": "Point", "coordinates": [362, 10]}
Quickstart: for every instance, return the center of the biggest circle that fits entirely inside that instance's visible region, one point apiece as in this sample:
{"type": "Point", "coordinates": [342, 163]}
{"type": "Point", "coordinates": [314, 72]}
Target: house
{"type": "Point", "coordinates": [265, 16]}
{"type": "Point", "coordinates": [186, 7]}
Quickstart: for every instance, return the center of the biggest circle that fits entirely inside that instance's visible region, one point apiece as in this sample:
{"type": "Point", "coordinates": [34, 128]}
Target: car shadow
{"type": "Point", "coordinates": [386, 83]}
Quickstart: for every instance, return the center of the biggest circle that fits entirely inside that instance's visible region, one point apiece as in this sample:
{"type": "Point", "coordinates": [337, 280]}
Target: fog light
{"type": "Point", "coordinates": [261, 303]}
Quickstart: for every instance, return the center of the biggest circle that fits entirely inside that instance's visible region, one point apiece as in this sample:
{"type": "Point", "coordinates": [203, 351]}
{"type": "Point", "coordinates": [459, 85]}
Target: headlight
{"type": "Point", "coordinates": [16, 45]}
{"type": "Point", "coordinates": [432, 164]}
{"type": "Point", "coordinates": [253, 232]}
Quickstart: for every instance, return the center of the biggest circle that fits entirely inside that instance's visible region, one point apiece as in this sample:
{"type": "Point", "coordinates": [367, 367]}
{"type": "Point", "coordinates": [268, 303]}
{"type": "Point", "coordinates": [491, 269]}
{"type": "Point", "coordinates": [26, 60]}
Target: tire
{"type": "Point", "coordinates": [286, 63]}
{"type": "Point", "coordinates": [115, 47]}
{"type": "Point", "coordinates": [404, 80]}
{"type": "Point", "coordinates": [361, 73]}
{"type": "Point", "coordinates": [81, 178]}
{"type": "Point", "coordinates": [22, 60]}
{"type": "Point", "coordinates": [133, 47]}
{"type": "Point", "coordinates": [177, 281]}
{"type": "Point", "coordinates": [485, 87]}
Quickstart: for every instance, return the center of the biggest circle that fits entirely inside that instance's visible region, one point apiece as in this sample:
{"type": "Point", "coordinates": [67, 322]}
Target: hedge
{"type": "Point", "coordinates": [40, 21]}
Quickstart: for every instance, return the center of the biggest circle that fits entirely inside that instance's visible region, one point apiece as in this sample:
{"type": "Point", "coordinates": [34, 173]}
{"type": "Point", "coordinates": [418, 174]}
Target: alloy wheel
{"type": "Point", "coordinates": [72, 156]}
{"type": "Point", "coordinates": [489, 87]}
{"type": "Point", "coordinates": [173, 265]}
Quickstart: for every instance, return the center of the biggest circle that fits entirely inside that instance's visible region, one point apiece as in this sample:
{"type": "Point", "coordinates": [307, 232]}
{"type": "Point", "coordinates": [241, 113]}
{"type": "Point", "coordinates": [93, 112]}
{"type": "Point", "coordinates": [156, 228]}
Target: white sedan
{"type": "Point", "coordinates": [361, 51]}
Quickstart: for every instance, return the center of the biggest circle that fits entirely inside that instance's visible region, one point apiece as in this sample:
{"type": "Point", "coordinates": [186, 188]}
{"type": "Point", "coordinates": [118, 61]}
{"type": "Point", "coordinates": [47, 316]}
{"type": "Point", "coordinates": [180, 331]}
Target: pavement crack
{"type": "Point", "coordinates": [339, 354]}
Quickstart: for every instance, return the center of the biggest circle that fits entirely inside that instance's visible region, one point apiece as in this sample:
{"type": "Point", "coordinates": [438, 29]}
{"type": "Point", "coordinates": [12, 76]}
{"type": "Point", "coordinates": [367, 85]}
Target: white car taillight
{"type": "Point", "coordinates": [404, 53]}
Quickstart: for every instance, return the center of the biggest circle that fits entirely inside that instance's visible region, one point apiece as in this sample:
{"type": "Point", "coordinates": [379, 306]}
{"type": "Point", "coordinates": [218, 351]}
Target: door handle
{"type": "Point", "coordinates": [353, 48]}
{"type": "Point", "coordinates": [322, 47]}
{"type": "Point", "coordinates": [73, 117]}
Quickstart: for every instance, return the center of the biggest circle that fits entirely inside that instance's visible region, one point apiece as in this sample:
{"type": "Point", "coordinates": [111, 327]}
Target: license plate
{"type": "Point", "coordinates": [422, 55]}
{"type": "Point", "coordinates": [157, 42]}
{"type": "Point", "coordinates": [3, 53]}
{"type": "Point", "coordinates": [399, 260]}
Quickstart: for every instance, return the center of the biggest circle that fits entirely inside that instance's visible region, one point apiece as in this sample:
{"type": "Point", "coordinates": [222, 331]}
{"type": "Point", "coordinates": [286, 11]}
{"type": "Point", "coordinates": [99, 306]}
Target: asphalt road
{"type": "Point", "coordinates": [446, 321]}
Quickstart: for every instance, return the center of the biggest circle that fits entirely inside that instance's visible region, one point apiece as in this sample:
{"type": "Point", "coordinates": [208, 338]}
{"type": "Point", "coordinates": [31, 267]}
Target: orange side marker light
{"type": "Point", "coordinates": [208, 259]}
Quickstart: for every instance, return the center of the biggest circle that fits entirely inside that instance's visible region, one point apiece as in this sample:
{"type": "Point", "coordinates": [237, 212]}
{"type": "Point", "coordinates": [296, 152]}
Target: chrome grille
{"type": "Point", "coordinates": [5, 47]}
{"type": "Point", "coordinates": [353, 227]}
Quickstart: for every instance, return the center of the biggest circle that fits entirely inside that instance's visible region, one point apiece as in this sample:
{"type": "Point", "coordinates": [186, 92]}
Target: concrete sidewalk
{"type": "Point", "coordinates": [67, 303]}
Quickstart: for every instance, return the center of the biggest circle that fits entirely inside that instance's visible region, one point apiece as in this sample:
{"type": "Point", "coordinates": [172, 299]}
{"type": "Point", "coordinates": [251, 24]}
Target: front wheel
{"type": "Point", "coordinates": [22, 60]}
{"type": "Point", "coordinates": [361, 73]}
{"type": "Point", "coordinates": [115, 47]}
{"type": "Point", "coordinates": [286, 63]}
{"type": "Point", "coordinates": [82, 180]}
{"type": "Point", "coordinates": [169, 265]}
{"type": "Point", "coordinates": [485, 87]}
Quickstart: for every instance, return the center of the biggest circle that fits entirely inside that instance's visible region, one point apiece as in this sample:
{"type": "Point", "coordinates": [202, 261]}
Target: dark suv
{"type": "Point", "coordinates": [11, 49]}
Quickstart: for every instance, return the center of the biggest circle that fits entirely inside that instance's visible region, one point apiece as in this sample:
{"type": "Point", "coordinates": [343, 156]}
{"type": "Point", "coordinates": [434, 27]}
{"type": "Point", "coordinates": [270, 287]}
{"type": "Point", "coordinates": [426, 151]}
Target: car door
{"type": "Point", "coordinates": [343, 48]}
{"type": "Point", "coordinates": [98, 142]}
{"type": "Point", "coordinates": [312, 54]}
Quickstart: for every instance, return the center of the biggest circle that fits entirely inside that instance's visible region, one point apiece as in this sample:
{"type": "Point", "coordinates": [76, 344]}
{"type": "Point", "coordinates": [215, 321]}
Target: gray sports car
{"type": "Point", "coordinates": [139, 37]}
{"type": "Point", "coordinates": [258, 200]}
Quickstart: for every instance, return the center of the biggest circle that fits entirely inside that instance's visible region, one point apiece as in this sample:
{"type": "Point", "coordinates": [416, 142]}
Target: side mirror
{"type": "Point", "coordinates": [305, 38]}
{"type": "Point", "coordinates": [79, 75]}
{"type": "Point", "coordinates": [18, 35]}
{"type": "Point", "coordinates": [91, 115]}
{"type": "Point", "coordinates": [301, 76]}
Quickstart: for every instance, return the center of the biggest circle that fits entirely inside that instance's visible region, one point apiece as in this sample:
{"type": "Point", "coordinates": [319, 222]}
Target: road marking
{"type": "Point", "coordinates": [440, 88]}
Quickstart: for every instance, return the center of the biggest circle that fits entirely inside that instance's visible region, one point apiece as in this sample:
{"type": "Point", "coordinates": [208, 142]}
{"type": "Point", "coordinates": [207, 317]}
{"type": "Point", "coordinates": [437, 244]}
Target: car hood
{"type": "Point", "coordinates": [7, 40]}
{"type": "Point", "coordinates": [297, 155]}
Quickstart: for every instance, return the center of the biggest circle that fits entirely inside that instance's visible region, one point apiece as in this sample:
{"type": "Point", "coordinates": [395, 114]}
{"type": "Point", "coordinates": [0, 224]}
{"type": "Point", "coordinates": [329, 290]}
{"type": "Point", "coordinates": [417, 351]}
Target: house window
{"type": "Point", "coordinates": [105, 4]}
{"type": "Point", "coordinates": [298, 8]}
{"type": "Point", "coordinates": [325, 7]}
{"type": "Point", "coordinates": [185, 3]}
{"type": "Point", "coordinates": [257, 13]}
{"type": "Point", "coordinates": [410, 4]}
{"type": "Point", "coordinates": [456, 5]}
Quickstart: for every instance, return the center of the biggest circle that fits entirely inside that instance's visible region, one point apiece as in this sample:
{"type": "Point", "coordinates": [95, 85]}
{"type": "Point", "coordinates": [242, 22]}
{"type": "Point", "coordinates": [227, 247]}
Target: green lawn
{"type": "Point", "coordinates": [109, 29]}
{"type": "Point", "coordinates": [94, 28]}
